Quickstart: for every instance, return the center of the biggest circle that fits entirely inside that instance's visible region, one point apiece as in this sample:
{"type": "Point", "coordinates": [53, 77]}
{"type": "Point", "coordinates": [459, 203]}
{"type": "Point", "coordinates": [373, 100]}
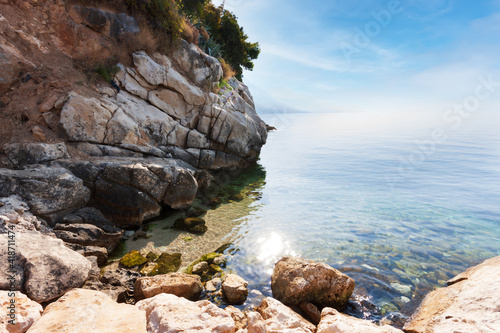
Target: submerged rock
{"type": "Point", "coordinates": [167, 313]}
{"type": "Point", "coordinates": [179, 284]}
{"type": "Point", "coordinates": [133, 258]}
{"type": "Point", "coordinates": [166, 263]}
{"type": "Point", "coordinates": [470, 303]}
{"type": "Point", "coordinates": [334, 321]}
{"type": "Point", "coordinates": [191, 224]}
{"type": "Point", "coordinates": [83, 311]}
{"type": "Point", "coordinates": [296, 280]}
{"type": "Point", "coordinates": [208, 258]}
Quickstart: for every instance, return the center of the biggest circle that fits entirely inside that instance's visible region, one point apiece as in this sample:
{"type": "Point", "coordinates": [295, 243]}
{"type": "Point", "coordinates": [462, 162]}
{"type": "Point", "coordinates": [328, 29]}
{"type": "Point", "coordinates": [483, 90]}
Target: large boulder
{"type": "Point", "coordinates": [130, 190]}
{"type": "Point", "coordinates": [333, 321]}
{"type": "Point", "coordinates": [167, 313]}
{"type": "Point", "coordinates": [280, 318]}
{"type": "Point", "coordinates": [179, 284]}
{"type": "Point", "coordinates": [89, 235]}
{"type": "Point", "coordinates": [45, 269]}
{"type": "Point", "coordinates": [470, 303]}
{"type": "Point", "coordinates": [25, 312]}
{"type": "Point", "coordinates": [51, 193]}
{"type": "Point", "coordinates": [82, 311]}
{"type": "Point", "coordinates": [296, 280]}
{"type": "Point", "coordinates": [235, 289]}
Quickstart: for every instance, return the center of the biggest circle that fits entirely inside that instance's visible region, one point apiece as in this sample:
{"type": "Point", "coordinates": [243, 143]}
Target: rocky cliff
{"type": "Point", "coordinates": [150, 137]}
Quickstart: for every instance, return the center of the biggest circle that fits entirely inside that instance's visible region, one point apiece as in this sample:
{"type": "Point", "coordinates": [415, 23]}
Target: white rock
{"type": "Point", "coordinates": [25, 310]}
{"type": "Point", "coordinates": [168, 313]}
{"type": "Point", "coordinates": [84, 311]}
{"type": "Point", "coordinates": [333, 321]}
{"type": "Point", "coordinates": [278, 317]}
{"type": "Point", "coordinates": [235, 289]}
{"type": "Point", "coordinates": [151, 71]}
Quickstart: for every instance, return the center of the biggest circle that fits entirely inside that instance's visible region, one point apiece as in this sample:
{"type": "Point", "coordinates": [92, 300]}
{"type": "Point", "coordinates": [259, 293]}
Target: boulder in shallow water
{"type": "Point", "coordinates": [296, 280]}
{"type": "Point", "coordinates": [470, 303]}
{"type": "Point", "coordinates": [235, 289]}
{"type": "Point", "coordinates": [167, 313]}
{"type": "Point", "coordinates": [179, 284]}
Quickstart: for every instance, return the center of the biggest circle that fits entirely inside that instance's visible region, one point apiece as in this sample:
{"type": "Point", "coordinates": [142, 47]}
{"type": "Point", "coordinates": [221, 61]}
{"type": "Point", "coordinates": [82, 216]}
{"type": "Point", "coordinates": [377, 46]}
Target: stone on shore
{"type": "Point", "coordinates": [179, 284]}
{"type": "Point", "coordinates": [191, 224]}
{"type": "Point", "coordinates": [235, 289]}
{"type": "Point", "coordinates": [51, 193]}
{"type": "Point", "coordinates": [333, 321]}
{"type": "Point", "coordinates": [46, 269]}
{"type": "Point", "coordinates": [470, 303]}
{"type": "Point", "coordinates": [15, 213]}
{"type": "Point", "coordinates": [238, 316]}
{"type": "Point", "coordinates": [26, 312]}
{"type": "Point", "coordinates": [83, 311]}
{"type": "Point", "coordinates": [279, 317]}
{"type": "Point", "coordinates": [296, 280]}
{"type": "Point", "coordinates": [167, 313]}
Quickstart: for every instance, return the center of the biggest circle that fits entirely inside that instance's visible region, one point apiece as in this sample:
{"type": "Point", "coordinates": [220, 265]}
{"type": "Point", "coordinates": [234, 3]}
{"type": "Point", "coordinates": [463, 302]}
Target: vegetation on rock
{"type": "Point", "coordinates": [133, 258]}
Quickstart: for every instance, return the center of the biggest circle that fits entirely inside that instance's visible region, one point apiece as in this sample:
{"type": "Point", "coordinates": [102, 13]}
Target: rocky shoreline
{"type": "Point", "coordinates": [86, 167]}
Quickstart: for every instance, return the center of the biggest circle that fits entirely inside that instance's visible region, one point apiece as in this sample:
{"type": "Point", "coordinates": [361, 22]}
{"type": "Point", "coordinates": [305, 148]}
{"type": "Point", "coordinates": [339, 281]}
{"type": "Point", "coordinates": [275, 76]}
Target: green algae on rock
{"type": "Point", "coordinates": [208, 258]}
{"type": "Point", "coordinates": [133, 258]}
{"type": "Point", "coordinates": [166, 263]}
{"type": "Point", "coordinates": [194, 225]}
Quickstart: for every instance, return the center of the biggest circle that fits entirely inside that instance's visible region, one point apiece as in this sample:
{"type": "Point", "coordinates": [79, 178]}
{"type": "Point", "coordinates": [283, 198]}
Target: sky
{"type": "Point", "coordinates": [437, 56]}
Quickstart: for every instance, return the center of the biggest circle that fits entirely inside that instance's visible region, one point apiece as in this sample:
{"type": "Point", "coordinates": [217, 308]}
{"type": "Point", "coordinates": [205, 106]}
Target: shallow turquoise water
{"type": "Point", "coordinates": [339, 188]}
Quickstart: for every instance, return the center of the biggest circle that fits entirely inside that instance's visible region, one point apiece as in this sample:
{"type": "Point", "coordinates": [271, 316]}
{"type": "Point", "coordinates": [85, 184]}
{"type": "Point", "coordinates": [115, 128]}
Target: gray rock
{"type": "Point", "coordinates": [45, 269]}
{"type": "Point", "coordinates": [112, 24]}
{"type": "Point", "coordinates": [100, 253]}
{"type": "Point", "coordinates": [15, 213]}
{"type": "Point", "coordinates": [89, 235]}
{"type": "Point", "coordinates": [51, 193]}
{"type": "Point", "coordinates": [35, 153]}
{"type": "Point", "coordinates": [200, 268]}
{"type": "Point", "coordinates": [129, 191]}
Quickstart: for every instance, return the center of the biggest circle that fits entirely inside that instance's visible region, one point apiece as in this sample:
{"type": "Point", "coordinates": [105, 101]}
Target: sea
{"type": "Point", "coordinates": [399, 203]}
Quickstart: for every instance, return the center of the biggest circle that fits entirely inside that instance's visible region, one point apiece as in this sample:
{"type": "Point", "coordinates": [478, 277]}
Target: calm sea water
{"type": "Point", "coordinates": [399, 206]}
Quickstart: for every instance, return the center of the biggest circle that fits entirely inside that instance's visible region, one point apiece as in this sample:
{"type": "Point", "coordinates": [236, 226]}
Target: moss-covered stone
{"type": "Point", "coordinates": [214, 269]}
{"type": "Point", "coordinates": [151, 256]}
{"type": "Point", "coordinates": [235, 197]}
{"type": "Point", "coordinates": [194, 225]}
{"type": "Point", "coordinates": [196, 212]}
{"type": "Point", "coordinates": [223, 248]}
{"type": "Point", "coordinates": [133, 258]}
{"type": "Point", "coordinates": [148, 268]}
{"type": "Point", "coordinates": [166, 263]}
{"type": "Point", "coordinates": [209, 258]}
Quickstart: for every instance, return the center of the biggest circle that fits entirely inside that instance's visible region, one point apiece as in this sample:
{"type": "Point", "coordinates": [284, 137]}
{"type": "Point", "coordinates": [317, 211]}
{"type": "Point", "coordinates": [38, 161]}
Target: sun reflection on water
{"type": "Point", "coordinates": [271, 248]}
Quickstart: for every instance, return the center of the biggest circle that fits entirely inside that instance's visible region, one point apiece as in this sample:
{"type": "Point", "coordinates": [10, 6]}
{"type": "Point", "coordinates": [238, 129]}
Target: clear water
{"type": "Point", "coordinates": [339, 188]}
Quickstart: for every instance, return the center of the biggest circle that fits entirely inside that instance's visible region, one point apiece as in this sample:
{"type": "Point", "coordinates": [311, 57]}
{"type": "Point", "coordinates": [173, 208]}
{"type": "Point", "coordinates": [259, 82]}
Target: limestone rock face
{"type": "Point", "coordinates": [27, 312]}
{"type": "Point", "coordinates": [46, 269]}
{"type": "Point", "coordinates": [167, 313]}
{"type": "Point", "coordinates": [179, 284]}
{"type": "Point", "coordinates": [165, 113]}
{"type": "Point", "coordinates": [333, 321]}
{"type": "Point", "coordinates": [83, 311]}
{"type": "Point", "coordinates": [51, 193]}
{"type": "Point", "coordinates": [235, 289]}
{"type": "Point", "coordinates": [296, 280]}
{"type": "Point", "coordinates": [279, 317]}
{"type": "Point", "coordinates": [128, 191]}
{"type": "Point", "coordinates": [470, 303]}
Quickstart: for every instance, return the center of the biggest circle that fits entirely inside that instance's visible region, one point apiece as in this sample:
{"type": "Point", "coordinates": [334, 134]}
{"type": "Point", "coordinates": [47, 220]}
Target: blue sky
{"type": "Point", "coordinates": [371, 55]}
